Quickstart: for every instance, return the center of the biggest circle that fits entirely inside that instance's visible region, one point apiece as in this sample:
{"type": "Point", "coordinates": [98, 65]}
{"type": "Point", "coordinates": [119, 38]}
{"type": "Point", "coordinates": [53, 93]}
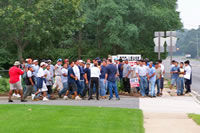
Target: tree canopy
{"type": "Point", "coordinates": [83, 28]}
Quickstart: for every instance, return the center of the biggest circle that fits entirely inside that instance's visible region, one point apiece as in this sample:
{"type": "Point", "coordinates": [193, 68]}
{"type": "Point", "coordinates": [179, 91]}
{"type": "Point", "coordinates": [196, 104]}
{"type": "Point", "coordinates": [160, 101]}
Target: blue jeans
{"type": "Point", "coordinates": [180, 86]}
{"type": "Point", "coordinates": [111, 86]}
{"type": "Point", "coordinates": [82, 86]}
{"type": "Point", "coordinates": [35, 85]}
{"type": "Point", "coordinates": [143, 85]}
{"type": "Point", "coordinates": [103, 87]}
{"type": "Point", "coordinates": [158, 85]}
{"type": "Point", "coordinates": [65, 88]}
{"type": "Point", "coordinates": [152, 85]}
{"type": "Point", "coordinates": [78, 86]}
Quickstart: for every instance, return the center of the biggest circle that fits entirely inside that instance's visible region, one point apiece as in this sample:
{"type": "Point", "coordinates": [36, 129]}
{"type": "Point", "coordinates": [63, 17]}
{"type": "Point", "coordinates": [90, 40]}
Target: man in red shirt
{"type": "Point", "coordinates": [15, 84]}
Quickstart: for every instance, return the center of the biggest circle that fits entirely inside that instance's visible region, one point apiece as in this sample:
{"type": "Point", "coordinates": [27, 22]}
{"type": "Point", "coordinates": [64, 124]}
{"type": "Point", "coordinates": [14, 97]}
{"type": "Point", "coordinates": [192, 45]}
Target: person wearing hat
{"type": "Point", "coordinates": [15, 84]}
{"type": "Point", "coordinates": [30, 83]}
{"type": "Point", "coordinates": [52, 69]}
{"type": "Point", "coordinates": [58, 73]}
{"type": "Point", "coordinates": [35, 71]}
{"type": "Point", "coordinates": [188, 76]}
{"type": "Point", "coordinates": [42, 88]}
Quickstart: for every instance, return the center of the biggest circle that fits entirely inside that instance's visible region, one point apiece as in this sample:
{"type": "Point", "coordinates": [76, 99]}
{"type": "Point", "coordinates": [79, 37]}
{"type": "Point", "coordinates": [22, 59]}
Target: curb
{"type": "Point", "coordinates": [196, 96]}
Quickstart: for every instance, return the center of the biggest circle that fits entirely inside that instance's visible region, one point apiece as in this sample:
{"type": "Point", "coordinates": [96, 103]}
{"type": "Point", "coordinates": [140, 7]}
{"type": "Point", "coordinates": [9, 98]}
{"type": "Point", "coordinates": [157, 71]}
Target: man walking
{"type": "Point", "coordinates": [15, 84]}
{"type": "Point", "coordinates": [58, 73]}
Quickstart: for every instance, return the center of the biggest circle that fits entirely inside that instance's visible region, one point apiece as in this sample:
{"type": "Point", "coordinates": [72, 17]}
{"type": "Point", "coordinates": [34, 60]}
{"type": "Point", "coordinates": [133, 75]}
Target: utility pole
{"type": "Point", "coordinates": [197, 46]}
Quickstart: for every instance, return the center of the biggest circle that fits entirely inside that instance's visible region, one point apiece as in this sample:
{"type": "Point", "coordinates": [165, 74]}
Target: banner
{"type": "Point", "coordinates": [134, 82]}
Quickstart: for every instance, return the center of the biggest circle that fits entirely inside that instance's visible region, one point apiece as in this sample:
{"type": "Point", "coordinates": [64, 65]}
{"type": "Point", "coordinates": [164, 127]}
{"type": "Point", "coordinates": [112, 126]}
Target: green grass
{"type": "Point", "coordinates": [195, 117]}
{"type": "Point", "coordinates": [69, 119]}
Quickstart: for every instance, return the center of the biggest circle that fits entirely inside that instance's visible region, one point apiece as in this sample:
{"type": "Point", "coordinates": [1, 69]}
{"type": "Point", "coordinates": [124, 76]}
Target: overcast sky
{"type": "Point", "coordinates": [190, 13]}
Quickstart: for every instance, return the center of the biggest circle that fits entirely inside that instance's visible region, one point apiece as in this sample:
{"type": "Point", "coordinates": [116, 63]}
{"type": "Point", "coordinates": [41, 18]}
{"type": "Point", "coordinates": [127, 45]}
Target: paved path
{"type": "Point", "coordinates": [168, 114]}
{"type": "Point", "coordinates": [125, 102]}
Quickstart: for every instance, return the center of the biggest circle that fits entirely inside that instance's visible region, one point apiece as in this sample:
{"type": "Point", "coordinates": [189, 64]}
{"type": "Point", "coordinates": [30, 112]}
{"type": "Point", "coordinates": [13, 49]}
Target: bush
{"type": "Point", "coordinates": [4, 85]}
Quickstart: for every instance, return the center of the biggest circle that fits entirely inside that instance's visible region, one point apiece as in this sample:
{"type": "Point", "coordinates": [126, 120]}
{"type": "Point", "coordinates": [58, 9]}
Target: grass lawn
{"type": "Point", "coordinates": [69, 119]}
{"type": "Point", "coordinates": [195, 117]}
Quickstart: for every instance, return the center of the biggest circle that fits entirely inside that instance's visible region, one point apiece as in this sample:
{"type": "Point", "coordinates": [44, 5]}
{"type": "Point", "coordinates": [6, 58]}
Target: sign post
{"type": "Point", "coordinates": [171, 43]}
{"type": "Point", "coordinates": [159, 42]}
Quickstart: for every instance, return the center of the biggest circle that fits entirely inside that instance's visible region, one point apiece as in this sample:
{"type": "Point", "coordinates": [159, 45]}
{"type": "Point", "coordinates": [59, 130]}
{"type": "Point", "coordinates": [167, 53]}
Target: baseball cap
{"type": "Point", "coordinates": [42, 63]}
{"type": "Point", "coordinates": [59, 60]}
{"type": "Point", "coordinates": [17, 63]}
{"type": "Point", "coordinates": [35, 61]}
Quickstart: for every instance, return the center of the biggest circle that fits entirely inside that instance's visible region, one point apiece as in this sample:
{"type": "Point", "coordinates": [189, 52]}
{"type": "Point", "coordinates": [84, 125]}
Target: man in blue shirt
{"type": "Point", "coordinates": [87, 80]}
{"type": "Point", "coordinates": [103, 82]}
{"type": "Point", "coordinates": [175, 74]}
{"type": "Point", "coordinates": [82, 83]}
{"type": "Point", "coordinates": [111, 78]}
{"type": "Point", "coordinates": [72, 82]}
{"type": "Point", "coordinates": [152, 79]}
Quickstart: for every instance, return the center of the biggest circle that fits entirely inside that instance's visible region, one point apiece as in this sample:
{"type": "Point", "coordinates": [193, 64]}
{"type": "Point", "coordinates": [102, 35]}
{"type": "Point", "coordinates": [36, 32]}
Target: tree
{"type": "Point", "coordinates": [24, 22]}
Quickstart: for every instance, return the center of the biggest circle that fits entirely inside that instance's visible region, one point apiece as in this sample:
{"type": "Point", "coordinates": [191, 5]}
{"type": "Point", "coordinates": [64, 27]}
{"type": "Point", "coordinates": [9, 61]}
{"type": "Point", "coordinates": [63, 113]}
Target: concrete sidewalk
{"type": "Point", "coordinates": [168, 114]}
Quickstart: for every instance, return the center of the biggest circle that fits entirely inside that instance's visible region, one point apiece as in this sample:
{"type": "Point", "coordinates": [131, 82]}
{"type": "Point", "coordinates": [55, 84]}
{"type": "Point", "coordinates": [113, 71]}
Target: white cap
{"type": "Point", "coordinates": [17, 63]}
{"type": "Point", "coordinates": [81, 61]}
{"type": "Point", "coordinates": [42, 64]}
{"type": "Point", "coordinates": [35, 61]}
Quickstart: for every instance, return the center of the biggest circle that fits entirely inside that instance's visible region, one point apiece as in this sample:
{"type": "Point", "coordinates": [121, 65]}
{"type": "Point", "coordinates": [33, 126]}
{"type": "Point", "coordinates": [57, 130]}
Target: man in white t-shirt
{"type": "Point", "coordinates": [49, 81]}
{"type": "Point", "coordinates": [64, 81]}
{"type": "Point", "coordinates": [42, 88]}
{"type": "Point", "coordinates": [187, 76]}
{"type": "Point", "coordinates": [58, 73]}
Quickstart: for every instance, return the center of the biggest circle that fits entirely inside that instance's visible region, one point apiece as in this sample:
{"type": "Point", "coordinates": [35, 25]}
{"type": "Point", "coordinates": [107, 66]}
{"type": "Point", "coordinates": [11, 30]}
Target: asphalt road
{"type": "Point", "coordinates": [195, 71]}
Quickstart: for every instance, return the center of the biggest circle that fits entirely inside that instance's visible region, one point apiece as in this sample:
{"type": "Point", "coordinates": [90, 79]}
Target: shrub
{"type": "Point", "coordinates": [4, 85]}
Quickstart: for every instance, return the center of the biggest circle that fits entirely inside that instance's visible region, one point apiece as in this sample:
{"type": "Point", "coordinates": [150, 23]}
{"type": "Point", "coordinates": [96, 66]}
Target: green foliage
{"type": "Point", "coordinates": [4, 85]}
{"type": "Point", "coordinates": [187, 42]}
{"type": "Point", "coordinates": [84, 28]}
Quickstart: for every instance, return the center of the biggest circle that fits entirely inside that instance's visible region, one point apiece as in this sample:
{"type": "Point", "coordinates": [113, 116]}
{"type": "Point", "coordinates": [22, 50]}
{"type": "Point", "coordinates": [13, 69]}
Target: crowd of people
{"type": "Point", "coordinates": [80, 80]}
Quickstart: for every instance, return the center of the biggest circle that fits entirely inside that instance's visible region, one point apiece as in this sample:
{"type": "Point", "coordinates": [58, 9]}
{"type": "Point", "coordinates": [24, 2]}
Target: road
{"type": "Point", "coordinates": [195, 71]}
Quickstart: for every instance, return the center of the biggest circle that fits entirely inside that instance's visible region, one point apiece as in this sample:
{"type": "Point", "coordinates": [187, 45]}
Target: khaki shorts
{"type": "Point", "coordinates": [16, 86]}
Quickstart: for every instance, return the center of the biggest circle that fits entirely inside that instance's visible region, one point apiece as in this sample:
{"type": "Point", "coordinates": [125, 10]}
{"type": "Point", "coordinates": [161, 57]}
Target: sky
{"type": "Point", "coordinates": [189, 13]}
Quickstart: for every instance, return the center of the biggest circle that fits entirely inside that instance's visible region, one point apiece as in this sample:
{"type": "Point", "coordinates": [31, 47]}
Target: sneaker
{"type": "Point", "coordinates": [45, 99]}
{"type": "Point", "coordinates": [18, 96]}
{"type": "Point", "coordinates": [118, 98]}
{"type": "Point", "coordinates": [65, 98]}
{"type": "Point", "coordinates": [33, 96]}
{"type": "Point", "coordinates": [14, 95]}
{"type": "Point", "coordinates": [77, 98]}
{"type": "Point", "coordinates": [23, 100]}
{"type": "Point", "coordinates": [110, 98]}
{"type": "Point", "coordinates": [10, 101]}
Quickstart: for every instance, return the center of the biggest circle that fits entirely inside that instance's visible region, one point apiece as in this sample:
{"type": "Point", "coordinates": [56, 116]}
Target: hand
{"type": "Point", "coordinates": [76, 78]}
{"type": "Point", "coordinates": [86, 81]}
{"type": "Point", "coordinates": [104, 80]}
{"type": "Point", "coordinates": [126, 76]}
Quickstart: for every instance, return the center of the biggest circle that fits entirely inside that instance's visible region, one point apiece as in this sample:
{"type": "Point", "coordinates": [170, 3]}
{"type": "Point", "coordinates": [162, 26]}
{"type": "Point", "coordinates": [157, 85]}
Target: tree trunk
{"type": "Point", "coordinates": [20, 52]}
{"type": "Point", "coordinates": [80, 43]}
